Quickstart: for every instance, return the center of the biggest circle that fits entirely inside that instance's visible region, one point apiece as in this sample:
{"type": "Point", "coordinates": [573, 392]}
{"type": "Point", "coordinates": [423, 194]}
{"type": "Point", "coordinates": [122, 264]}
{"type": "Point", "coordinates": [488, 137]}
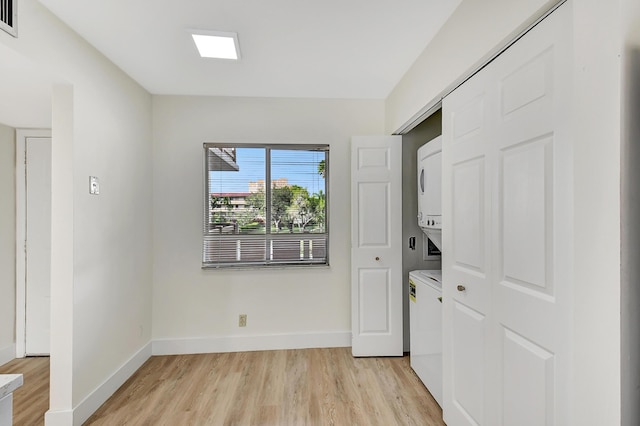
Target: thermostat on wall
{"type": "Point", "coordinates": [94, 185]}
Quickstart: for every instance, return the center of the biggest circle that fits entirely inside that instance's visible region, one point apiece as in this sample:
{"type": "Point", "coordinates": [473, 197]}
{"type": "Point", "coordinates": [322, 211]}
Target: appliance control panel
{"type": "Point", "coordinates": [433, 221]}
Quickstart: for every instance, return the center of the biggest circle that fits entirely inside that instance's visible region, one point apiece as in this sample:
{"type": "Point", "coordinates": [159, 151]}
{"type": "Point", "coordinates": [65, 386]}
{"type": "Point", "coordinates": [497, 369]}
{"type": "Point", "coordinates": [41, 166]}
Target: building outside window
{"type": "Point", "coordinates": [265, 205]}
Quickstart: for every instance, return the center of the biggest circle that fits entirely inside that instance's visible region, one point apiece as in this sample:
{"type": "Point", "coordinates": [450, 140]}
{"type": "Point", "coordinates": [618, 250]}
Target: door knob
{"type": "Point", "coordinates": [377, 258]}
{"type": "Point", "coordinates": [461, 288]}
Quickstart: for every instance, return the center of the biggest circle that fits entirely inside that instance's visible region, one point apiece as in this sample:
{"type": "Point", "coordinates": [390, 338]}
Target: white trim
{"type": "Point", "coordinates": [58, 418]}
{"type": "Point", "coordinates": [21, 234]}
{"type": "Point", "coordinates": [95, 399]}
{"type": "Point", "coordinates": [198, 345]}
{"type": "Point", "coordinates": [7, 353]}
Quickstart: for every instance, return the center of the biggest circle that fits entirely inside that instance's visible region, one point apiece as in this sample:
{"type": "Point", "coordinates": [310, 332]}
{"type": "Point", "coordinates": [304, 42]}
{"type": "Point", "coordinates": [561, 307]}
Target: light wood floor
{"type": "Point", "coordinates": [31, 400]}
{"type": "Point", "coordinates": [290, 387]}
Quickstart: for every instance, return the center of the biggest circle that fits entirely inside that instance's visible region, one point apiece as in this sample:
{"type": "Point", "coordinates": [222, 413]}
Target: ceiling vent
{"type": "Point", "coordinates": [8, 15]}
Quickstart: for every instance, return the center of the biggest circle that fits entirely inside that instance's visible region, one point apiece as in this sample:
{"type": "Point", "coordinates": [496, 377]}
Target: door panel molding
{"type": "Point", "coordinates": [376, 246]}
{"type": "Point", "coordinates": [521, 225]}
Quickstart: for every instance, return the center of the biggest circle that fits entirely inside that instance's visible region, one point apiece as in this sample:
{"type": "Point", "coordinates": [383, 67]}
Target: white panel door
{"type": "Point", "coordinates": [507, 263]}
{"type": "Point", "coordinates": [376, 246]}
{"type": "Point", "coordinates": [466, 255]}
{"type": "Point", "coordinates": [38, 245]}
{"type": "Point", "coordinates": [533, 222]}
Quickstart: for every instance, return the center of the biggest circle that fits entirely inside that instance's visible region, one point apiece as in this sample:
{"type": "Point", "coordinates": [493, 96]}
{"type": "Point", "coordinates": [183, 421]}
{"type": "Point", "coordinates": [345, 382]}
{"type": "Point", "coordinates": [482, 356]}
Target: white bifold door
{"type": "Point", "coordinates": [376, 246]}
{"type": "Point", "coordinates": [507, 236]}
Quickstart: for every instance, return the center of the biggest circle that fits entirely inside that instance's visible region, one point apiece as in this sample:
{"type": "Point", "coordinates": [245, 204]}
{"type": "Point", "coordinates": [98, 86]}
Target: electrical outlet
{"type": "Point", "coordinates": [242, 321]}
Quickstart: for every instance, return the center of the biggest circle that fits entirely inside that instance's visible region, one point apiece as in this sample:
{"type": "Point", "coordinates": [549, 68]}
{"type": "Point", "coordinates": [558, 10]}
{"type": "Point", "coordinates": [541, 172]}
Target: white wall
{"type": "Point", "coordinates": [7, 243]}
{"type": "Point", "coordinates": [112, 231]}
{"type": "Point", "coordinates": [472, 33]}
{"type": "Point", "coordinates": [62, 268]}
{"type": "Point", "coordinates": [26, 92]}
{"type": "Point", "coordinates": [101, 245]}
{"type": "Point", "coordinates": [285, 307]}
{"type": "Point", "coordinates": [596, 114]}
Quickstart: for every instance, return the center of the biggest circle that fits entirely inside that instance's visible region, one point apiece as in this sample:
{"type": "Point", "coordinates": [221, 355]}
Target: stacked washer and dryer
{"type": "Point", "coordinates": [425, 286]}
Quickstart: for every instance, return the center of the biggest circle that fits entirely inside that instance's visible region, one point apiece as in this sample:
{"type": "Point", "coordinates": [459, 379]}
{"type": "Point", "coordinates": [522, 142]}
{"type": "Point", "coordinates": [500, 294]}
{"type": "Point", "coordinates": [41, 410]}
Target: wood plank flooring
{"type": "Point", "coordinates": [289, 387]}
{"type": "Point", "coordinates": [31, 400]}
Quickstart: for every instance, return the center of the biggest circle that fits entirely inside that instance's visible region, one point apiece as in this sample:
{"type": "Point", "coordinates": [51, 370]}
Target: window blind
{"type": "Point", "coordinates": [265, 205]}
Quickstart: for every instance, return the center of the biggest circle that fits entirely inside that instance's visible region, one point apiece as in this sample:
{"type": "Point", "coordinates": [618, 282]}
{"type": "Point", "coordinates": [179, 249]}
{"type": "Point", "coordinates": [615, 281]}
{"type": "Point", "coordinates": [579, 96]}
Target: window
{"type": "Point", "coordinates": [265, 205]}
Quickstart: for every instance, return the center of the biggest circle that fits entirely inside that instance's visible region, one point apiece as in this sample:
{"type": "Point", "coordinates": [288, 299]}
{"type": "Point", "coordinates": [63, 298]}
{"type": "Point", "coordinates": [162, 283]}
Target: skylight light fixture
{"type": "Point", "coordinates": [216, 44]}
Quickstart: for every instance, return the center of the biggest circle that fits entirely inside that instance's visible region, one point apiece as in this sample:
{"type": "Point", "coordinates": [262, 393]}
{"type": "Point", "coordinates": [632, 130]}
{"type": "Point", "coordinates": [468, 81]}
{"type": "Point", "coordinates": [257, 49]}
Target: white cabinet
{"type": "Point", "coordinates": [8, 384]}
{"type": "Point", "coordinates": [425, 320]}
{"type": "Point", "coordinates": [507, 209]}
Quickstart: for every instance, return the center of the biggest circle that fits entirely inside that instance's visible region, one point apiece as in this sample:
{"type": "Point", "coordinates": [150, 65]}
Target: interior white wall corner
{"type": "Point", "coordinates": [62, 237]}
{"type": "Point", "coordinates": [195, 304]}
{"type": "Point", "coordinates": [596, 118]}
{"type": "Point", "coordinates": [7, 242]}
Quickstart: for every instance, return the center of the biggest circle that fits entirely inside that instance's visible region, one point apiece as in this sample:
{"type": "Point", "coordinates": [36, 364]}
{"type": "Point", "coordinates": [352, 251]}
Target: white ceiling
{"type": "Point", "coordinates": [350, 49]}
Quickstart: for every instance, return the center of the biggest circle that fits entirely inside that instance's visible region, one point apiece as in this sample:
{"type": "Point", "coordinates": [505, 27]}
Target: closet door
{"type": "Point", "coordinates": [376, 246]}
{"type": "Point", "coordinates": [507, 264]}
{"type": "Point", "coordinates": [532, 213]}
{"type": "Point", "coordinates": [466, 260]}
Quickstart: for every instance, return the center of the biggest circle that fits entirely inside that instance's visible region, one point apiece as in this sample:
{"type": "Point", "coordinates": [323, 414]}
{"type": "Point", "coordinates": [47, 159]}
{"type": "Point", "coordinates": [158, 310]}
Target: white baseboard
{"type": "Point", "coordinates": [7, 353]}
{"type": "Point", "coordinates": [93, 401]}
{"type": "Point", "coordinates": [199, 345]}
{"type": "Point", "coordinates": [58, 418]}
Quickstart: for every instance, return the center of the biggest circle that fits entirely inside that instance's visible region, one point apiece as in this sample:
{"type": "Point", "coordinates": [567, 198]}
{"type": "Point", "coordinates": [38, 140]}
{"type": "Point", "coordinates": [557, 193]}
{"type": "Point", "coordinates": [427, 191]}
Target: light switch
{"type": "Point", "coordinates": [94, 185]}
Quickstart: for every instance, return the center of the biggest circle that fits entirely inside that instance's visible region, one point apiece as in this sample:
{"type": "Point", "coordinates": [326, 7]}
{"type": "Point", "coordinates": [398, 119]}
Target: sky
{"type": "Point", "coordinates": [299, 167]}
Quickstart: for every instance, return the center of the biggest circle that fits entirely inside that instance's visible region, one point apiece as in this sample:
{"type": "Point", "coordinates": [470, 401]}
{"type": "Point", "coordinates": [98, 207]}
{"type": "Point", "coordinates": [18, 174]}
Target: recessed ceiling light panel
{"type": "Point", "coordinates": [216, 44]}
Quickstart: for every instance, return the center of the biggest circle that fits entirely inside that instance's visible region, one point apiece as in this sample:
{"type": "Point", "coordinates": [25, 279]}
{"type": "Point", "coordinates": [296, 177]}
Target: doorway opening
{"type": "Point", "coordinates": [33, 242]}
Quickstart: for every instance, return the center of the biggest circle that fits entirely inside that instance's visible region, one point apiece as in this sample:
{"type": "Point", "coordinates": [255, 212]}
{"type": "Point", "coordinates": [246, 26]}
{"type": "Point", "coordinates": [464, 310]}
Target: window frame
{"type": "Point", "coordinates": [268, 236]}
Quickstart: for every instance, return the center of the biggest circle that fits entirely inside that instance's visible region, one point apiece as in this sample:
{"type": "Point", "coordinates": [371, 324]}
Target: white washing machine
{"type": "Point", "coordinates": [425, 328]}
